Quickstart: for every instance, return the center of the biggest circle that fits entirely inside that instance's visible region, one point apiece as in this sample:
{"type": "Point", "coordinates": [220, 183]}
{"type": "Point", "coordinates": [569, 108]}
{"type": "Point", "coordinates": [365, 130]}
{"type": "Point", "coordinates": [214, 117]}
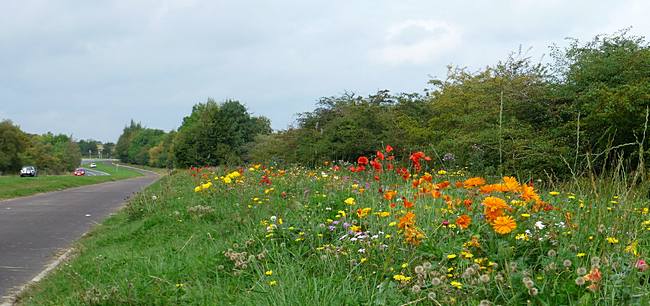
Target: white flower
{"type": "Point", "coordinates": [539, 225]}
{"type": "Point", "coordinates": [273, 219]}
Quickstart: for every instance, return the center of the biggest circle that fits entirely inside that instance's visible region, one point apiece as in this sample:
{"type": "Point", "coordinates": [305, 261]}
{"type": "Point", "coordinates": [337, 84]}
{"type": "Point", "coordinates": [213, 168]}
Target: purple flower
{"type": "Point", "coordinates": [331, 228]}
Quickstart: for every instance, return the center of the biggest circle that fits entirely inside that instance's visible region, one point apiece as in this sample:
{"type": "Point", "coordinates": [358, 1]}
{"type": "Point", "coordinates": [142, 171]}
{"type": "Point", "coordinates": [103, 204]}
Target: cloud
{"type": "Point", "coordinates": [417, 42]}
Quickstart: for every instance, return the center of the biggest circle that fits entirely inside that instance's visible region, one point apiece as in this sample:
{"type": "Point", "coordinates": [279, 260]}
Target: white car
{"type": "Point", "coordinates": [93, 165]}
{"type": "Point", "coordinates": [28, 171]}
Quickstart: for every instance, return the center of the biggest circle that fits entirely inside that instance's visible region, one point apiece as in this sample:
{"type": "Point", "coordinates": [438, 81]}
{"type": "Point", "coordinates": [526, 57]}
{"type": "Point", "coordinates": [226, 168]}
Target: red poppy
{"type": "Point", "coordinates": [362, 160]}
{"type": "Point", "coordinates": [389, 149]}
{"type": "Point", "coordinates": [415, 158]}
{"type": "Point", "coordinates": [376, 165]}
{"type": "Point", "coordinates": [380, 155]}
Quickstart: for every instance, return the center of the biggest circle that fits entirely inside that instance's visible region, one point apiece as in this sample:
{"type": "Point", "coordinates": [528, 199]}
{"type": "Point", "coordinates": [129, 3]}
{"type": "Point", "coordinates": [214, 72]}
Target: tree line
{"type": "Point", "coordinates": [50, 153]}
{"type": "Point", "coordinates": [586, 108]}
{"type": "Point", "coordinates": [213, 134]}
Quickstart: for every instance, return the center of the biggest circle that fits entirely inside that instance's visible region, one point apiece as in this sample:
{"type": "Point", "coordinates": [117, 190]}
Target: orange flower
{"type": "Point", "coordinates": [407, 204]}
{"type": "Point", "coordinates": [594, 275]}
{"type": "Point", "coordinates": [443, 185]}
{"type": "Point", "coordinates": [413, 235]}
{"type": "Point", "coordinates": [528, 193]}
{"type": "Point", "coordinates": [496, 203]}
{"type": "Point", "coordinates": [494, 208]}
{"type": "Point", "coordinates": [504, 224]}
{"type": "Point", "coordinates": [464, 221]}
{"type": "Point", "coordinates": [511, 183]}
{"type": "Point", "coordinates": [390, 194]}
{"type": "Point", "coordinates": [474, 182]}
{"type": "Point", "coordinates": [494, 187]}
{"type": "Point", "coordinates": [407, 220]}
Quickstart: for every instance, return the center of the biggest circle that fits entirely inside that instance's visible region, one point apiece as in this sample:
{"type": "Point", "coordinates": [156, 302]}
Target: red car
{"type": "Point", "coordinates": [79, 172]}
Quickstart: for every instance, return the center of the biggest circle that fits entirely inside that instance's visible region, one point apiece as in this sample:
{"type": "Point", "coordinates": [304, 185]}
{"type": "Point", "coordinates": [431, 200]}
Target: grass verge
{"type": "Point", "coordinates": [16, 186]}
{"type": "Point", "coordinates": [306, 237]}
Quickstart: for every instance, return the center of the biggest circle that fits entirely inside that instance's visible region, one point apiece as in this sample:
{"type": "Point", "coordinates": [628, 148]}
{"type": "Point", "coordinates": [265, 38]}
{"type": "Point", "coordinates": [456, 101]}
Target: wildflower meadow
{"type": "Point", "coordinates": [386, 230]}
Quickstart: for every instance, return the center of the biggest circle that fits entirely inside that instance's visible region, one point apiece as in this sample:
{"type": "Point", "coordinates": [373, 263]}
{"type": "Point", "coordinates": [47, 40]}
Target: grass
{"type": "Point", "coordinates": [281, 237]}
{"type": "Point", "coordinates": [16, 186]}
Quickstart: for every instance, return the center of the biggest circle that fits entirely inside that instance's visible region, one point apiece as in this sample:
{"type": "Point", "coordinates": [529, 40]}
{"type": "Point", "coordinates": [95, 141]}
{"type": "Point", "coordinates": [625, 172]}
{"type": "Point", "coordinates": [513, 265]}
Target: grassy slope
{"type": "Point", "coordinates": [16, 186]}
{"type": "Point", "coordinates": [157, 252]}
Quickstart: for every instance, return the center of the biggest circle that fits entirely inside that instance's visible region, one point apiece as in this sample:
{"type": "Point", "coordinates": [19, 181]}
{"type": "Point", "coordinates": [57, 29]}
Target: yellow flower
{"type": "Point", "coordinates": [522, 236]}
{"type": "Point", "coordinates": [392, 223]}
{"type": "Point", "coordinates": [404, 265]}
{"type": "Point", "coordinates": [383, 214]}
{"type": "Point", "coordinates": [632, 248]}
{"type": "Point", "coordinates": [401, 278]}
{"type": "Point", "coordinates": [350, 201]}
{"type": "Point", "coordinates": [227, 180]}
{"type": "Point", "coordinates": [268, 273]}
{"type": "Point", "coordinates": [525, 215]}
{"type": "Point", "coordinates": [363, 260]}
{"type": "Point", "coordinates": [554, 193]}
{"type": "Point", "coordinates": [456, 284]}
{"type": "Point", "coordinates": [581, 254]}
{"type": "Point", "coordinates": [442, 172]}
{"type": "Point", "coordinates": [451, 256]}
{"type": "Point", "coordinates": [612, 240]}
{"type": "Point", "coordinates": [197, 189]}
{"type": "Point", "coordinates": [273, 283]}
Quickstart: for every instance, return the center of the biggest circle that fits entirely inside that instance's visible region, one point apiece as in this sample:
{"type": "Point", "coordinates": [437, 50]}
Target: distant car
{"type": "Point", "coordinates": [28, 171]}
{"type": "Point", "coordinates": [79, 172]}
{"type": "Point", "coordinates": [93, 165]}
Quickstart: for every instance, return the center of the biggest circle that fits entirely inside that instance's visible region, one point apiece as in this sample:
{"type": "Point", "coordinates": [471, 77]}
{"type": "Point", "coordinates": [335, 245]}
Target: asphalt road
{"type": "Point", "coordinates": [35, 229]}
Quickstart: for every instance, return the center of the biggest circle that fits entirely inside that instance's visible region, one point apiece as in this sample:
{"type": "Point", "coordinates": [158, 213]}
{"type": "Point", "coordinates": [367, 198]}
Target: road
{"type": "Point", "coordinates": [34, 229]}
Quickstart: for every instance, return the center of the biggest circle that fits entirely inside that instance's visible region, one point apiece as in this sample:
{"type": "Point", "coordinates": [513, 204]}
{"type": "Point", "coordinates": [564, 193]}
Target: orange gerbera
{"type": "Point", "coordinates": [511, 183]}
{"type": "Point", "coordinates": [474, 182]}
{"type": "Point", "coordinates": [504, 225]}
{"type": "Point", "coordinates": [528, 193]}
{"type": "Point", "coordinates": [464, 221]}
{"type": "Point", "coordinates": [494, 208]}
{"type": "Point", "coordinates": [493, 187]}
{"type": "Point", "coordinates": [494, 202]}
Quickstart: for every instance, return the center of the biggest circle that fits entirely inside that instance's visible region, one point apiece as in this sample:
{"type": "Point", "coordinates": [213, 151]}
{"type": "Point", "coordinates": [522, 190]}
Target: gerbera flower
{"type": "Point", "coordinates": [474, 182]}
{"type": "Point", "coordinates": [463, 221]}
{"type": "Point", "coordinates": [504, 224]}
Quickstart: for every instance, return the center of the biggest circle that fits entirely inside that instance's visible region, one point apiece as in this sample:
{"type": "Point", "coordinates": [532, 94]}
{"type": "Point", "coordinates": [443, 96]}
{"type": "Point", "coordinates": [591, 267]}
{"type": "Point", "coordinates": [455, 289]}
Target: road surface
{"type": "Point", "coordinates": [34, 229]}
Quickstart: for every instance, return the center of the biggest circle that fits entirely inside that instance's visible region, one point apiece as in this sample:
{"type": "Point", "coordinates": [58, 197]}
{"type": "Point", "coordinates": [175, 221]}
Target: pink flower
{"type": "Point", "coordinates": [641, 265]}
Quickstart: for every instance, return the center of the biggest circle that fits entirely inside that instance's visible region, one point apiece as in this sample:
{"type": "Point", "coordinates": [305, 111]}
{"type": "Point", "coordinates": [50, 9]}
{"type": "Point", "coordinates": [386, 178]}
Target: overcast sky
{"type": "Point", "coordinates": [86, 68]}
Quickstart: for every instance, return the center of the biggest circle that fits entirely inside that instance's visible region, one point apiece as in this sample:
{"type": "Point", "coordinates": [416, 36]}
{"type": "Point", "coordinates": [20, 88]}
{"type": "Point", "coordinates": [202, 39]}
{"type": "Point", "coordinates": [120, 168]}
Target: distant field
{"type": "Point", "coordinates": [16, 186]}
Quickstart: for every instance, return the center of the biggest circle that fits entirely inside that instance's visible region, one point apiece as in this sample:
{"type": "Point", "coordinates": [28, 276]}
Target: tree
{"type": "Point", "coordinates": [216, 133]}
{"type": "Point", "coordinates": [13, 143]}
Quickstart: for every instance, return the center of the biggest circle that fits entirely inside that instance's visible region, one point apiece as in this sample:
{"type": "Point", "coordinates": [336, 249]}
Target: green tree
{"type": "Point", "coordinates": [215, 134]}
{"type": "Point", "coordinates": [13, 143]}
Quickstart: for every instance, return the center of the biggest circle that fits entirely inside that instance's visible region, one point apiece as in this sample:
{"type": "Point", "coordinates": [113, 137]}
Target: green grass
{"type": "Point", "coordinates": [16, 186]}
{"type": "Point", "coordinates": [171, 245]}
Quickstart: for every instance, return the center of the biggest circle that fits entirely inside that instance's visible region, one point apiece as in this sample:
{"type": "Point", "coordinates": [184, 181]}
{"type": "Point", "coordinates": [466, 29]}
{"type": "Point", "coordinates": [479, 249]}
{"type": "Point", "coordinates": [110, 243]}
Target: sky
{"type": "Point", "coordinates": [86, 68]}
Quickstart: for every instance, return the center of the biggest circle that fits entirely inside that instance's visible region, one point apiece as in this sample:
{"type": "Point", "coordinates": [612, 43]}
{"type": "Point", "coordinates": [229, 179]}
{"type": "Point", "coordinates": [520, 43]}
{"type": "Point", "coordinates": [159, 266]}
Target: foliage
{"type": "Point", "coordinates": [12, 143]}
{"type": "Point", "coordinates": [215, 134]}
{"type": "Point", "coordinates": [50, 153]}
